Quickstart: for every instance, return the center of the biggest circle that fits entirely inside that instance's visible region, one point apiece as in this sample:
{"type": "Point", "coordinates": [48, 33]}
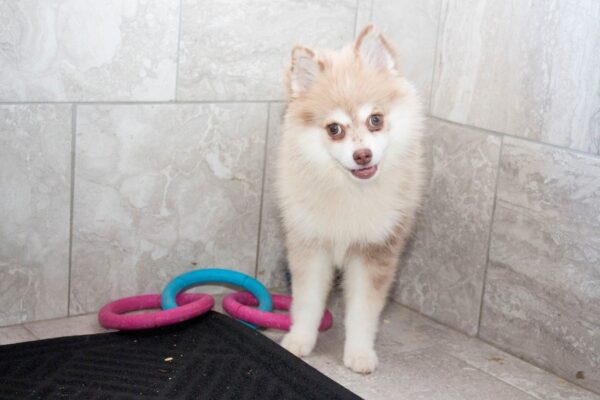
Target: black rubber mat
{"type": "Point", "coordinates": [209, 357]}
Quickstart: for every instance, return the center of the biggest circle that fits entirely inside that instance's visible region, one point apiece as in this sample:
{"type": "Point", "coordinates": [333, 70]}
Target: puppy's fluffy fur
{"type": "Point", "coordinates": [341, 209]}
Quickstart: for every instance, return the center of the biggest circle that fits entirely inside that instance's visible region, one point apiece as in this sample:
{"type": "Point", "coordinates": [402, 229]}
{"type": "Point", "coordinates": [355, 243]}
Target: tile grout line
{"type": "Point", "coordinates": [489, 374]}
{"type": "Point", "coordinates": [30, 331]}
{"type": "Point", "coordinates": [26, 324]}
{"type": "Point", "coordinates": [262, 190]}
{"type": "Point", "coordinates": [276, 101]}
{"type": "Point", "coordinates": [72, 199]}
{"type": "Point", "coordinates": [141, 102]}
{"type": "Point", "coordinates": [511, 136]}
{"type": "Point", "coordinates": [429, 317]}
{"type": "Point", "coordinates": [489, 238]}
{"type": "Point", "coordinates": [435, 57]}
{"type": "Point", "coordinates": [491, 344]}
{"type": "Point", "coordinates": [178, 51]}
{"type": "Point", "coordinates": [534, 365]}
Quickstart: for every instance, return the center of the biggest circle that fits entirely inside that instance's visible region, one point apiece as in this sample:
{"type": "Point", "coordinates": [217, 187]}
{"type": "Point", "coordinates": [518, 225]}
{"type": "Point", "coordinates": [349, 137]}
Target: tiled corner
{"type": "Point", "coordinates": [162, 189]}
{"type": "Point", "coordinates": [272, 258]}
{"type": "Point", "coordinates": [530, 379]}
{"type": "Point", "coordinates": [88, 50]}
{"type": "Point", "coordinates": [239, 50]}
{"type": "Point", "coordinates": [542, 294]}
{"type": "Point", "coordinates": [442, 271]}
{"type": "Point", "coordinates": [412, 26]}
{"type": "Point", "coordinates": [524, 68]}
{"type": "Point", "coordinates": [421, 359]}
{"type": "Point", "coordinates": [35, 180]}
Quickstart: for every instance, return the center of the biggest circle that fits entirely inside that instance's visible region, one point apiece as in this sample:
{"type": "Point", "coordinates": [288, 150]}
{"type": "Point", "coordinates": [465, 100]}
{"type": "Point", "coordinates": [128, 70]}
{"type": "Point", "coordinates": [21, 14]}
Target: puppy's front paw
{"type": "Point", "coordinates": [360, 360]}
{"type": "Point", "coordinates": [299, 344]}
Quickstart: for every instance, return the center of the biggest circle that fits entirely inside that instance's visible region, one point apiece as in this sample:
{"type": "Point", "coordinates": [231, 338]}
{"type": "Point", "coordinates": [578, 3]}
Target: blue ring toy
{"type": "Point", "coordinates": [215, 275]}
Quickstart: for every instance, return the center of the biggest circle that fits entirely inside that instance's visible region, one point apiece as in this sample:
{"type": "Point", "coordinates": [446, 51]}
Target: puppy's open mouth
{"type": "Point", "coordinates": [365, 173]}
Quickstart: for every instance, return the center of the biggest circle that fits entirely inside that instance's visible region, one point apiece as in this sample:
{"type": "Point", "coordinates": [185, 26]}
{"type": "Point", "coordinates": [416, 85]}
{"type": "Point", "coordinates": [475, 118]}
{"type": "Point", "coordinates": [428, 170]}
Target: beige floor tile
{"type": "Point", "coordinates": [71, 326]}
{"type": "Point", "coordinates": [418, 359]}
{"type": "Point", "coordinates": [15, 334]}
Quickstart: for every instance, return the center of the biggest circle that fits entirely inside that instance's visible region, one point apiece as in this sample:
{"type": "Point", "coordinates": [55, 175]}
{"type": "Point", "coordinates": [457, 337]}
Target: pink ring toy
{"type": "Point", "coordinates": [112, 315]}
{"type": "Point", "coordinates": [239, 305]}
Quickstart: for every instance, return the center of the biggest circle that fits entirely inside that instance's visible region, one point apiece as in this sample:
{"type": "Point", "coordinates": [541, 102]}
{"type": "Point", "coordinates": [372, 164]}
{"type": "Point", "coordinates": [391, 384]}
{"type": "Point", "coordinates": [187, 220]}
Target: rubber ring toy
{"type": "Point", "coordinates": [112, 315]}
{"type": "Point", "coordinates": [239, 305]}
{"type": "Point", "coordinates": [218, 276]}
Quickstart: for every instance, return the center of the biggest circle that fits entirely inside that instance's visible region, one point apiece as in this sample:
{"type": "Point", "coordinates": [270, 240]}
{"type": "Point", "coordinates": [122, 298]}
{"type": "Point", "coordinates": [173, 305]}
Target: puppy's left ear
{"type": "Point", "coordinates": [375, 50]}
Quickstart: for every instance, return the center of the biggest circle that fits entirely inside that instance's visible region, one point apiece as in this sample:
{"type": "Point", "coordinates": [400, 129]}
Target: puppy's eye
{"type": "Point", "coordinates": [335, 131]}
{"type": "Point", "coordinates": [375, 122]}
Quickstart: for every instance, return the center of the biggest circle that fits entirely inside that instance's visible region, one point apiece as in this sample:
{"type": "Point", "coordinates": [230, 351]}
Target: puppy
{"type": "Point", "coordinates": [349, 182]}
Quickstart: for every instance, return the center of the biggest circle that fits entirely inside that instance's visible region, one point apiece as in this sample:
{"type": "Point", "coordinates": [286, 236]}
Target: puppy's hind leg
{"type": "Point", "coordinates": [366, 285]}
{"type": "Point", "coordinates": [312, 273]}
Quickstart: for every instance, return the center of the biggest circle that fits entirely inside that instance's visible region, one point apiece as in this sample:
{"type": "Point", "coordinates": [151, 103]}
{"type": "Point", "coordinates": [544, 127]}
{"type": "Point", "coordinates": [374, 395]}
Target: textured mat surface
{"type": "Point", "coordinates": [210, 357]}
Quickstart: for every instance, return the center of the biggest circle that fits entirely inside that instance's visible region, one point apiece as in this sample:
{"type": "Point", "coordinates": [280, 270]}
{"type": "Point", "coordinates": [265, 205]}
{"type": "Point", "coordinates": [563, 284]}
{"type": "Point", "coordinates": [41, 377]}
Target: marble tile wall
{"type": "Point", "coordinates": [412, 26]}
{"type": "Point", "coordinates": [443, 267]}
{"type": "Point", "coordinates": [524, 68]}
{"type": "Point", "coordinates": [164, 128]}
{"type": "Point", "coordinates": [542, 297]}
{"type": "Point", "coordinates": [160, 187]}
{"type": "Point", "coordinates": [528, 71]}
{"type": "Point", "coordinates": [35, 196]}
{"type": "Point", "coordinates": [239, 50]}
{"type": "Point", "coordinates": [272, 257]}
{"type": "Point", "coordinates": [88, 50]}
{"type": "Point", "coordinates": [137, 138]}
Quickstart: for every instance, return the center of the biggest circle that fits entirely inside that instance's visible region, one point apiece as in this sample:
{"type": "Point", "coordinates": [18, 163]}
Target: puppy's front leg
{"type": "Point", "coordinates": [312, 272]}
{"type": "Point", "coordinates": [366, 285]}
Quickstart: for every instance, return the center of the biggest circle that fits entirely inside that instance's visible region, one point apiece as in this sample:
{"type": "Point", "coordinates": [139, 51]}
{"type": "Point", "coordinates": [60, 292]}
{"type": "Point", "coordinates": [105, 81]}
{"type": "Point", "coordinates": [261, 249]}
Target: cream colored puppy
{"type": "Point", "coordinates": [349, 183]}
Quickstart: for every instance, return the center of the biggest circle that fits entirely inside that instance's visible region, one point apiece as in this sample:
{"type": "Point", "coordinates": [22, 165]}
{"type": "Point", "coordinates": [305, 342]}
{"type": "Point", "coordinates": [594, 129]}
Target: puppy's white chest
{"type": "Point", "coordinates": [347, 221]}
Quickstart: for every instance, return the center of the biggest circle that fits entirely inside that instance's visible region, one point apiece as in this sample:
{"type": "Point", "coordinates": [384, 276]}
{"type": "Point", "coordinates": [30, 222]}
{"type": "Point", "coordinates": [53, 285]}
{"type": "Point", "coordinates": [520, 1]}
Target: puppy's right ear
{"type": "Point", "coordinates": [304, 70]}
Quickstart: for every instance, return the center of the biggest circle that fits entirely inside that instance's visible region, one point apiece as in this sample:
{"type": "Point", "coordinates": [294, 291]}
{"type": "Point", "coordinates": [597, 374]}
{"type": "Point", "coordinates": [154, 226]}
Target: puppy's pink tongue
{"type": "Point", "coordinates": [365, 173]}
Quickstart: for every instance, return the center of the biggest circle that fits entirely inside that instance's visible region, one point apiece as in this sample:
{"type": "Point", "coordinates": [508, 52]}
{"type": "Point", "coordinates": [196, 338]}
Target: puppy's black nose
{"type": "Point", "coordinates": [362, 156]}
